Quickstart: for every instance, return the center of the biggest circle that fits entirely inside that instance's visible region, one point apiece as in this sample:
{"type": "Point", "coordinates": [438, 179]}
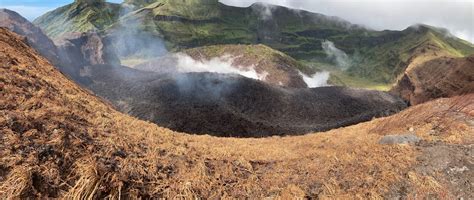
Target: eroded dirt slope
{"type": "Point", "coordinates": [436, 78]}
{"type": "Point", "coordinates": [58, 140]}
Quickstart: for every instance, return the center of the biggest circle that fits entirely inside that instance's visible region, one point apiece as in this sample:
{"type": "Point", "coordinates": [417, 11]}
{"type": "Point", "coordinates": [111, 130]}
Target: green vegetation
{"type": "Point", "coordinates": [80, 16]}
{"type": "Point", "coordinates": [377, 58]}
{"type": "Point", "coordinates": [384, 61]}
{"type": "Point", "coordinates": [256, 54]}
{"type": "Point", "coordinates": [342, 78]}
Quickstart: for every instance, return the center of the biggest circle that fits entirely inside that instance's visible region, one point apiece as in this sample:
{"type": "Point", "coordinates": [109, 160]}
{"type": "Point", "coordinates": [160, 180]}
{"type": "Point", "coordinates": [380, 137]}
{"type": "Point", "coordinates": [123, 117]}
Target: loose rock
{"type": "Point", "coordinates": [399, 139]}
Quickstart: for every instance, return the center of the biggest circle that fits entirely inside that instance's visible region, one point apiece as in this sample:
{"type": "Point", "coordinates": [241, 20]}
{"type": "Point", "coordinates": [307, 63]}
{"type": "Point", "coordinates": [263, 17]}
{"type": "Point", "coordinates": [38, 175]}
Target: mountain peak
{"type": "Point", "coordinates": [180, 2]}
{"type": "Point", "coordinates": [89, 1]}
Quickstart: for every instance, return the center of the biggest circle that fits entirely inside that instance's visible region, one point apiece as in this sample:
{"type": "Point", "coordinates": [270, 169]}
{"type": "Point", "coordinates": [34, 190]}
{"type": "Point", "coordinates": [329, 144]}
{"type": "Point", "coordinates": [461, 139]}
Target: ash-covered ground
{"type": "Point", "coordinates": [234, 106]}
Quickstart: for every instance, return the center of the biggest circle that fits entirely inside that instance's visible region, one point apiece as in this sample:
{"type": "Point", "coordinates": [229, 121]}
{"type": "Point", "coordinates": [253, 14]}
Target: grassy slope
{"type": "Point", "coordinates": [384, 62]}
{"type": "Point", "coordinates": [257, 54]}
{"type": "Point", "coordinates": [378, 57]}
{"type": "Point", "coordinates": [59, 141]}
{"type": "Point", "coordinates": [78, 17]}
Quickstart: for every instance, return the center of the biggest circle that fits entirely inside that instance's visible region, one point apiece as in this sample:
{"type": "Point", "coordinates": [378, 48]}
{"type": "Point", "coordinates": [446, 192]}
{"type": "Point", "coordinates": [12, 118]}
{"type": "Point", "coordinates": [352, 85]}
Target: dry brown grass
{"type": "Point", "coordinates": [59, 141]}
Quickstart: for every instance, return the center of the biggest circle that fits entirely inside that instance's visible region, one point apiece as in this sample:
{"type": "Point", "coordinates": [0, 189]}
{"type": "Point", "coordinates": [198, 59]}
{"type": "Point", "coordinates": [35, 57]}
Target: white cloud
{"type": "Point", "coordinates": [455, 15]}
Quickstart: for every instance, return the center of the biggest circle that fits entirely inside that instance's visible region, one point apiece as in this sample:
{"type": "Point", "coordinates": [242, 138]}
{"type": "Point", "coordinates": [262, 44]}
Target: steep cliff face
{"type": "Point", "coordinates": [34, 36]}
{"type": "Point", "coordinates": [86, 49]}
{"type": "Point", "coordinates": [81, 50]}
{"type": "Point", "coordinates": [436, 78]}
{"type": "Point", "coordinates": [70, 53]}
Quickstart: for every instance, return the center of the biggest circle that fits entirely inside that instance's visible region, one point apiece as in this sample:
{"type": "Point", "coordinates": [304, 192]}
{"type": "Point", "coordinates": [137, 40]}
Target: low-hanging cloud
{"type": "Point", "coordinates": [455, 15]}
{"type": "Point", "coordinates": [264, 10]}
{"type": "Point", "coordinates": [130, 41]}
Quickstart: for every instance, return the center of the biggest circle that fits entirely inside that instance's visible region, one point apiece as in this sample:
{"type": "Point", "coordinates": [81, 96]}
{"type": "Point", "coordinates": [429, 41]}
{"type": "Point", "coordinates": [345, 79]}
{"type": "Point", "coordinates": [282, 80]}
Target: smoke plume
{"type": "Point", "coordinates": [264, 10]}
{"type": "Point", "coordinates": [183, 63]}
{"type": "Point", "coordinates": [222, 65]}
{"type": "Point", "coordinates": [319, 79]}
{"type": "Point", "coordinates": [336, 55]}
{"type": "Point", "coordinates": [131, 42]}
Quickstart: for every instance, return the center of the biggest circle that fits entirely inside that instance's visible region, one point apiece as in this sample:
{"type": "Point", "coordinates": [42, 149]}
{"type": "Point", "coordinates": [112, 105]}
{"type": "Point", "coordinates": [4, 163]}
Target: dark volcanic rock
{"type": "Point", "coordinates": [231, 105]}
{"type": "Point", "coordinates": [34, 36]}
{"type": "Point", "coordinates": [83, 49]}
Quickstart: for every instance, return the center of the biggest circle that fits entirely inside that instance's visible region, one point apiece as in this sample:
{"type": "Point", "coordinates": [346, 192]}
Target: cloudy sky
{"type": "Point", "coordinates": [455, 15]}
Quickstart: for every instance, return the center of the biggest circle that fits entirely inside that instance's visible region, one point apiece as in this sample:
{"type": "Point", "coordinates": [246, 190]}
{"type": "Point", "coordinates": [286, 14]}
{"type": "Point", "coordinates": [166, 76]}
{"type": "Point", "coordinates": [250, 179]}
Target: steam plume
{"type": "Point", "coordinates": [336, 55]}
{"type": "Point", "coordinates": [130, 41]}
{"type": "Point", "coordinates": [183, 63]}
{"type": "Point", "coordinates": [264, 10]}
{"type": "Point", "coordinates": [319, 79]}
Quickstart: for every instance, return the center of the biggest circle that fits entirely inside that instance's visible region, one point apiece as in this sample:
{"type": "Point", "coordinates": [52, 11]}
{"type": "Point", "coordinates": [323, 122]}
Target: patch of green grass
{"type": "Point", "coordinates": [377, 56]}
{"type": "Point", "coordinates": [78, 17]}
{"type": "Point", "coordinates": [343, 78]}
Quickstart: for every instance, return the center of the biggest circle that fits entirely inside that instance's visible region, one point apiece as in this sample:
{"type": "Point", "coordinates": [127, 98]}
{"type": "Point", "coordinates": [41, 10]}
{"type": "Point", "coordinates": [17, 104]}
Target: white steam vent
{"type": "Point", "coordinates": [221, 65]}
{"type": "Point", "coordinates": [319, 79]}
{"type": "Point", "coordinates": [338, 56]}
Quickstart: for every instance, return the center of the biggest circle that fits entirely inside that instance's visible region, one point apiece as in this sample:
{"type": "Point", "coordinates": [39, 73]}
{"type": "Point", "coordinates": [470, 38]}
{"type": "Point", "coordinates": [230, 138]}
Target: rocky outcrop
{"type": "Point", "coordinates": [73, 52]}
{"type": "Point", "coordinates": [399, 139]}
{"type": "Point", "coordinates": [84, 49]}
{"type": "Point", "coordinates": [436, 78]}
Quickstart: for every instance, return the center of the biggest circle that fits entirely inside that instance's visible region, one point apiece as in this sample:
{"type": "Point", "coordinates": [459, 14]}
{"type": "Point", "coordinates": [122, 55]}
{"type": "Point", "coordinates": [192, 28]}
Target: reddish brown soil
{"type": "Point", "coordinates": [436, 78]}
{"type": "Point", "coordinates": [59, 141]}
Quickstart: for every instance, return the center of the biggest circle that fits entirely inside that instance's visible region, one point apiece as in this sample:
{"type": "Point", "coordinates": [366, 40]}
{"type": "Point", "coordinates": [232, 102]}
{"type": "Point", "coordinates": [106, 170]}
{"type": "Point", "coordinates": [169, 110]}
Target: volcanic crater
{"type": "Point", "coordinates": [230, 105]}
{"type": "Point", "coordinates": [219, 104]}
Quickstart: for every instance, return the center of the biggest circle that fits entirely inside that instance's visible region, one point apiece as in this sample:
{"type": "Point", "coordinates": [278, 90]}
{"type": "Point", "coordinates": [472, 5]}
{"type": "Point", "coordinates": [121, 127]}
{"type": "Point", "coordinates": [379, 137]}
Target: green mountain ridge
{"type": "Point", "coordinates": [377, 56]}
{"type": "Point", "coordinates": [80, 16]}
